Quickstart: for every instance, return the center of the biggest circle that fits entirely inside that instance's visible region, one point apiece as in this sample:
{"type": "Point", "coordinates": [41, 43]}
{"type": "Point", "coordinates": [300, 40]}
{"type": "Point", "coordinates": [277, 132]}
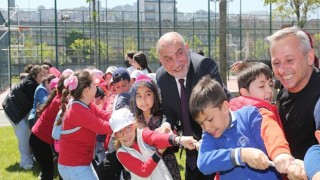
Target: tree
{"type": "Point", "coordinates": [316, 44]}
{"type": "Point", "coordinates": [260, 51]}
{"type": "Point", "coordinates": [81, 50]}
{"type": "Point", "coordinates": [130, 44]}
{"type": "Point", "coordinates": [72, 36]}
{"type": "Point", "coordinates": [107, 52]}
{"type": "Point", "coordinates": [95, 40]}
{"type": "Point", "coordinates": [300, 8]}
{"type": "Point", "coordinates": [48, 52]}
{"type": "Point", "coordinates": [196, 44]}
{"type": "Point", "coordinates": [153, 54]}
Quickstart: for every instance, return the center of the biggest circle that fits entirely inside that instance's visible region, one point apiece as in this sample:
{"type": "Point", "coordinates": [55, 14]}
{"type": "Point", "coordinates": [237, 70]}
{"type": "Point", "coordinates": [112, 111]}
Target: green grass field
{"type": "Point", "coordinates": [9, 159]}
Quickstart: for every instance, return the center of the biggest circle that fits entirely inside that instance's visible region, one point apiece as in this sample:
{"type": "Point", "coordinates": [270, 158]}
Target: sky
{"type": "Point", "coordinates": [186, 6]}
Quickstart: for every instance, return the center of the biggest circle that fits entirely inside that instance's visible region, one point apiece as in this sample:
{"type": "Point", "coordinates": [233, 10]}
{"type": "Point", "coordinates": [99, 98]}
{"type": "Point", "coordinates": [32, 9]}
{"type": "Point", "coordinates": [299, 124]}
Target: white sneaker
{"type": "Point", "coordinates": [40, 175]}
{"type": "Point", "coordinates": [27, 166]}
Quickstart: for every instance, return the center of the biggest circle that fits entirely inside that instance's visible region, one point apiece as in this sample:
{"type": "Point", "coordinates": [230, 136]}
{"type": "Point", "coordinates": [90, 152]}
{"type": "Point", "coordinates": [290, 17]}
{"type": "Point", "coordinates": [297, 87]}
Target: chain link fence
{"type": "Point", "coordinates": [83, 41]}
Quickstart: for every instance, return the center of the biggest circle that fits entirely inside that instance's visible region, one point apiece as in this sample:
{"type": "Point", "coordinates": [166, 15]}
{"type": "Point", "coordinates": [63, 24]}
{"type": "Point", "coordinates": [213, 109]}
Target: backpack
{"type": "Point", "coordinates": [57, 129]}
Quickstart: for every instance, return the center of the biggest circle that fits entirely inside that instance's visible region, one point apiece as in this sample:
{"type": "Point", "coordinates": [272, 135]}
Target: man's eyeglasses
{"type": "Point", "coordinates": [126, 129]}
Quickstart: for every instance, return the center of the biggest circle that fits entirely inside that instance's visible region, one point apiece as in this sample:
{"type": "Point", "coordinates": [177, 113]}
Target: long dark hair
{"type": "Point", "coordinates": [141, 59]}
{"type": "Point", "coordinates": [156, 109]}
{"type": "Point", "coordinates": [84, 78]}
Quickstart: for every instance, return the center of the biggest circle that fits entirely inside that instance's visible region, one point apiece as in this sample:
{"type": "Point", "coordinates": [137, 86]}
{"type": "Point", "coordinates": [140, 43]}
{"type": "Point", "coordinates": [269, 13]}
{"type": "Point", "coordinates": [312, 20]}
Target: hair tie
{"type": "Point", "coordinates": [71, 83]}
{"type": "Point", "coordinates": [143, 77]}
{"type": "Point", "coordinates": [54, 83]}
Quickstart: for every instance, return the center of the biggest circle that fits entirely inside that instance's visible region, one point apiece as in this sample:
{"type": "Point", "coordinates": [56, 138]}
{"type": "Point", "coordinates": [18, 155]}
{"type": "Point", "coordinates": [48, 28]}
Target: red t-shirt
{"type": "Point", "coordinates": [76, 149]}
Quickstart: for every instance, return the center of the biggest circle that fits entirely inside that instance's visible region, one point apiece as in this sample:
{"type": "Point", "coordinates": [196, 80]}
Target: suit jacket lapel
{"type": "Point", "coordinates": [190, 80]}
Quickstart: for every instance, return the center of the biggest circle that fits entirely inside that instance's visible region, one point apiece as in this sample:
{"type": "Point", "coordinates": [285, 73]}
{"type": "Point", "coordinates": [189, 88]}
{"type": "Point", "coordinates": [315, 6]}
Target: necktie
{"type": "Point", "coordinates": [186, 125]}
{"type": "Point", "coordinates": [187, 131]}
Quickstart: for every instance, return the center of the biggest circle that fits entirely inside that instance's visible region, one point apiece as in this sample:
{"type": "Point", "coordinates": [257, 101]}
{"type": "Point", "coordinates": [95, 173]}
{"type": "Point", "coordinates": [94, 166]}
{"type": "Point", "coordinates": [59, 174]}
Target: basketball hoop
{"type": "Point", "coordinates": [21, 28]}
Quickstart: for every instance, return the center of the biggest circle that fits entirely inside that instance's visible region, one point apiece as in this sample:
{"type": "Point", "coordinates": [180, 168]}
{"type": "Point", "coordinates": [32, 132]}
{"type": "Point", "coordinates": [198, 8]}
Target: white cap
{"type": "Point", "coordinates": [135, 73]}
{"type": "Point", "coordinates": [110, 69]}
{"type": "Point", "coordinates": [120, 119]}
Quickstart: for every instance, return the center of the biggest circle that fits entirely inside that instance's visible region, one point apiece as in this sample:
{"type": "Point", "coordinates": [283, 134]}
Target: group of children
{"type": "Point", "coordinates": [242, 138]}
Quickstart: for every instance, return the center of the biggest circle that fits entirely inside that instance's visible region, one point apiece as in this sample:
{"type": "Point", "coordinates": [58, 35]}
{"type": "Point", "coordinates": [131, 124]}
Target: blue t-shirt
{"type": "Point", "coordinates": [312, 161]}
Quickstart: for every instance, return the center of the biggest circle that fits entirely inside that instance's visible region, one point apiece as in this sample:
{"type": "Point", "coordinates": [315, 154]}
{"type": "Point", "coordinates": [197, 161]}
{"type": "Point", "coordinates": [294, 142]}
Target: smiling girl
{"type": "Point", "coordinates": [141, 150]}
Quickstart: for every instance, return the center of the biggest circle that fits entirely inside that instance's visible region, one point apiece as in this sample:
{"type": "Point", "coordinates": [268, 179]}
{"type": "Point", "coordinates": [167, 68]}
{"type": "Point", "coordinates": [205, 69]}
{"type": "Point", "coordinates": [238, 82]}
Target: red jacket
{"type": "Point", "coordinates": [271, 126]}
{"type": "Point", "coordinates": [43, 127]}
{"type": "Point", "coordinates": [76, 149]}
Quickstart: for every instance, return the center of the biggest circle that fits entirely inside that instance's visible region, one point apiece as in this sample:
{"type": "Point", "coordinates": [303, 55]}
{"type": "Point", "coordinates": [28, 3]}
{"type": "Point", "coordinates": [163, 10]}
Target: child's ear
{"type": "Point", "coordinates": [317, 135]}
{"type": "Point", "coordinates": [225, 106]}
{"type": "Point", "coordinates": [87, 91]}
{"type": "Point", "coordinates": [244, 92]}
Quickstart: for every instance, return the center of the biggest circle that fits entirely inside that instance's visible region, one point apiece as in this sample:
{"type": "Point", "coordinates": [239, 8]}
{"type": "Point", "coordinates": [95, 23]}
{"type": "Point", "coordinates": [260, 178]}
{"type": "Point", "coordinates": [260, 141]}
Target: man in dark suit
{"type": "Point", "coordinates": [179, 73]}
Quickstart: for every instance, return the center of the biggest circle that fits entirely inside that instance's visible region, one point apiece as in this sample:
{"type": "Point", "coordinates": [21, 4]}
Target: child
{"type": "Point", "coordinates": [40, 96]}
{"type": "Point", "coordinates": [108, 75]}
{"type": "Point", "coordinates": [76, 149]}
{"type": "Point", "coordinates": [121, 80]}
{"type": "Point", "coordinates": [141, 149]}
{"type": "Point", "coordinates": [140, 62]}
{"type": "Point", "coordinates": [111, 168]}
{"type": "Point", "coordinates": [312, 157]}
{"type": "Point", "coordinates": [231, 141]}
{"type": "Point", "coordinates": [99, 98]}
{"type": "Point", "coordinates": [17, 106]}
{"type": "Point", "coordinates": [40, 139]}
{"type": "Point", "coordinates": [256, 89]}
{"type": "Point", "coordinates": [146, 106]}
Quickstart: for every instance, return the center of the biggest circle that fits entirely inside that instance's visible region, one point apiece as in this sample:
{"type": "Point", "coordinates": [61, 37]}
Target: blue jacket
{"type": "Point", "coordinates": [40, 96]}
{"type": "Point", "coordinates": [215, 153]}
{"type": "Point", "coordinates": [312, 161]}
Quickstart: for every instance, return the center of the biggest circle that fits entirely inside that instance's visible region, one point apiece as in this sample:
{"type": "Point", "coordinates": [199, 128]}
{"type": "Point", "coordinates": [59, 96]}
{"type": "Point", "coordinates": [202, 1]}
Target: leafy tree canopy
{"type": "Point", "coordinates": [301, 9]}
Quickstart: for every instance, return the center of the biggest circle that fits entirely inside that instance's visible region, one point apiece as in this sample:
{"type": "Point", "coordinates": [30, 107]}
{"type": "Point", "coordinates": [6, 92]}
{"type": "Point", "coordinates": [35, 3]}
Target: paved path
{"type": "Point", "coordinates": [231, 85]}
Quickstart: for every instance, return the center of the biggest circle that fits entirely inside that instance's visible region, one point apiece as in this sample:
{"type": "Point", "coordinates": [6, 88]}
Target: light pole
{"type": "Point", "coordinates": [41, 54]}
{"type": "Point", "coordinates": [240, 30]}
{"type": "Point", "coordinates": [138, 23]}
{"type": "Point", "coordinates": [222, 35]}
{"type": "Point", "coordinates": [215, 22]}
{"type": "Point", "coordinates": [270, 18]}
{"type": "Point", "coordinates": [107, 39]}
{"type": "Point", "coordinates": [9, 48]}
{"type": "Point", "coordinates": [209, 43]}
{"type": "Point", "coordinates": [64, 18]}
{"type": "Point", "coordinates": [193, 31]}
{"type": "Point", "coordinates": [56, 32]}
{"type": "Point", "coordinates": [159, 18]}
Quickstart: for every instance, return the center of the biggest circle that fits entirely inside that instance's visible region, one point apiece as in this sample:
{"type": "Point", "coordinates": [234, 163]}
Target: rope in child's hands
{"type": "Point", "coordinates": [188, 142]}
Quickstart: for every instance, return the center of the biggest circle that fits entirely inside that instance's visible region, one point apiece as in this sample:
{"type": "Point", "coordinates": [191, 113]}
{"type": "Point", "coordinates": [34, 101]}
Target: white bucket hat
{"type": "Point", "coordinates": [120, 119]}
